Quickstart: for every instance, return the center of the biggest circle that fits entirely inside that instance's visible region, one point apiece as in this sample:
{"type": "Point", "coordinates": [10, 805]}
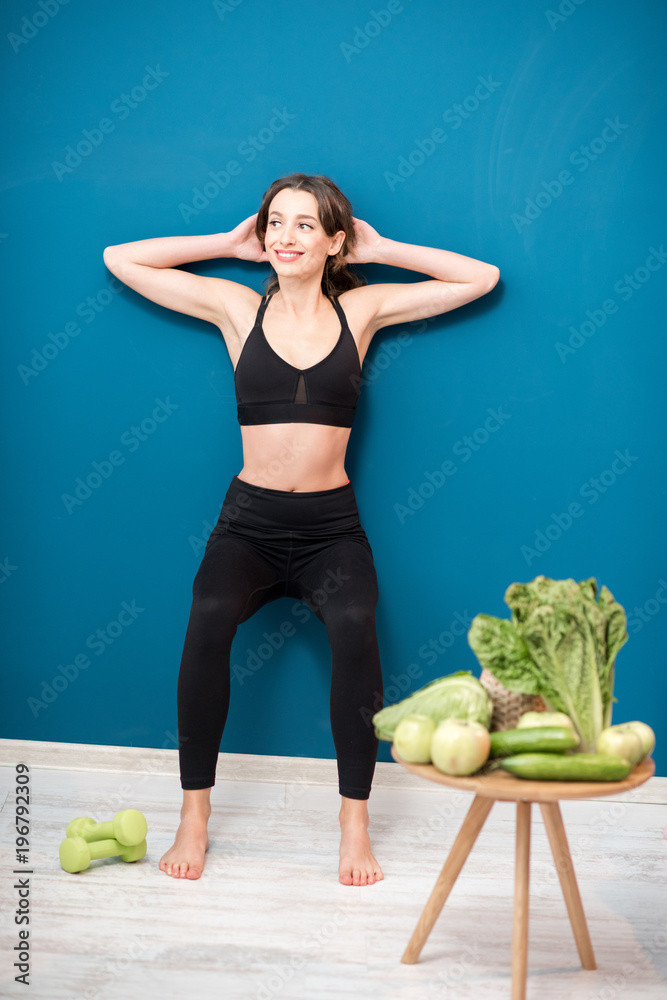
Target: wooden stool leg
{"type": "Point", "coordinates": [521, 881]}
{"type": "Point", "coordinates": [553, 822]}
{"type": "Point", "coordinates": [467, 835]}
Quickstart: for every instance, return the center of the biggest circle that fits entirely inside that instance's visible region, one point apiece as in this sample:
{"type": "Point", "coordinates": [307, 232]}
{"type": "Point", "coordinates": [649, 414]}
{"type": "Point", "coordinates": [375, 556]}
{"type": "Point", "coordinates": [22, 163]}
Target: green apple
{"type": "Point", "coordinates": [529, 720]}
{"type": "Point", "coordinates": [644, 732]}
{"type": "Point", "coordinates": [618, 741]}
{"type": "Point", "coordinates": [412, 738]}
{"type": "Point", "coordinates": [460, 746]}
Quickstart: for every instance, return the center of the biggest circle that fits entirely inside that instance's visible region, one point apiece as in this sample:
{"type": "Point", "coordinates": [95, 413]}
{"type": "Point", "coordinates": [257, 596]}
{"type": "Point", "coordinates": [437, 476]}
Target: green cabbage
{"type": "Point", "coordinates": [458, 695]}
{"type": "Point", "coordinates": [561, 644]}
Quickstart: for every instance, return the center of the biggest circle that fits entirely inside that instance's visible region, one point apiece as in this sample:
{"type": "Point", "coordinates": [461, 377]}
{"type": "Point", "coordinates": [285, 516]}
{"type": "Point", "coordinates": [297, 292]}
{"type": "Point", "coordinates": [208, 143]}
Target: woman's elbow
{"type": "Point", "coordinates": [494, 276]}
{"type": "Point", "coordinates": [111, 258]}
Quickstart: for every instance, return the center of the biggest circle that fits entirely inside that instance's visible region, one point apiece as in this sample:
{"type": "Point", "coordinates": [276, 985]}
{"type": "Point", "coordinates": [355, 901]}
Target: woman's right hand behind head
{"type": "Point", "coordinates": [245, 243]}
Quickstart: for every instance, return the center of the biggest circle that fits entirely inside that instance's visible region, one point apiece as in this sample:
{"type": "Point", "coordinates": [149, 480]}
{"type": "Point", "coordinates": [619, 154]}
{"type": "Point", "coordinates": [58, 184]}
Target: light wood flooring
{"type": "Point", "coordinates": [269, 918]}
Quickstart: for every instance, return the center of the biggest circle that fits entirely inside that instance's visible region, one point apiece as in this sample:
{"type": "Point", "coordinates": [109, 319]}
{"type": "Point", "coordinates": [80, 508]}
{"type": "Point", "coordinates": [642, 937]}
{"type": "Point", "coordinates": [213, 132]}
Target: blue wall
{"type": "Point", "coordinates": [549, 162]}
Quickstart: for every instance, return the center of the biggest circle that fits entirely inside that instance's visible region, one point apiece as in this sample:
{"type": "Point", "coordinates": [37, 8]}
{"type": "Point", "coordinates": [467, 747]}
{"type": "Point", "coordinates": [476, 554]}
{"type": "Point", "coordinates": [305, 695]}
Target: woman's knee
{"type": "Point", "coordinates": [347, 617]}
{"type": "Point", "coordinates": [220, 604]}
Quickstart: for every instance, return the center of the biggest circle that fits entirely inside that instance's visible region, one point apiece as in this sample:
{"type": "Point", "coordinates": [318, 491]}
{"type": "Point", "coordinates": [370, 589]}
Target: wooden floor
{"type": "Point", "coordinates": [269, 919]}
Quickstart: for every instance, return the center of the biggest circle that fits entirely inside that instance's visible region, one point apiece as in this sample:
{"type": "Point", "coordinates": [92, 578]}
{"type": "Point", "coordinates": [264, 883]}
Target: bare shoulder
{"type": "Point", "coordinates": [236, 315]}
{"type": "Point", "coordinates": [366, 313]}
{"type": "Point", "coordinates": [360, 308]}
{"type": "Point", "coordinates": [359, 304]}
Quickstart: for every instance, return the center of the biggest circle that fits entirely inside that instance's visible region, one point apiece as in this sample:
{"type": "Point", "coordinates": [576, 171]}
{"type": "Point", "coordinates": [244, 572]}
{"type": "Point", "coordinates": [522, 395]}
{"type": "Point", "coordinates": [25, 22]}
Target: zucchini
{"type": "Point", "coordinates": [567, 767]}
{"type": "Point", "coordinates": [540, 739]}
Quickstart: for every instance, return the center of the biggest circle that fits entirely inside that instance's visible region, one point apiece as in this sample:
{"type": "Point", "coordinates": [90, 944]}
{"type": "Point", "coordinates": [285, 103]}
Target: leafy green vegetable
{"type": "Point", "coordinates": [458, 695]}
{"type": "Point", "coordinates": [560, 643]}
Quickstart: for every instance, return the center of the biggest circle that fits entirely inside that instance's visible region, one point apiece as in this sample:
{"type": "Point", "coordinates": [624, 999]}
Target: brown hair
{"type": "Point", "coordinates": [335, 212]}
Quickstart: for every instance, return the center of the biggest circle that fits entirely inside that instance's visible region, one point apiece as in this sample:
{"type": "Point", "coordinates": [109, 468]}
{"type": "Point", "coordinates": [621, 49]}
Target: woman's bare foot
{"type": "Point", "coordinates": [357, 864]}
{"type": "Point", "coordinates": [185, 858]}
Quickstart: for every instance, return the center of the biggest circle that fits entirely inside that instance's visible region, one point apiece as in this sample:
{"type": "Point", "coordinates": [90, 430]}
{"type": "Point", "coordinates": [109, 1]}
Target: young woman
{"type": "Point", "coordinates": [289, 524]}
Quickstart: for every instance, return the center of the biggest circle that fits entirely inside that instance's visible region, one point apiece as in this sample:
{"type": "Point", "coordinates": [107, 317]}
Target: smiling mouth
{"type": "Point", "coordinates": [287, 254]}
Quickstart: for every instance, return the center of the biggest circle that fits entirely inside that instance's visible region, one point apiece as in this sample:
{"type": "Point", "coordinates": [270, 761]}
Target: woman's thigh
{"type": "Point", "coordinates": [233, 579]}
{"type": "Point", "coordinates": [340, 582]}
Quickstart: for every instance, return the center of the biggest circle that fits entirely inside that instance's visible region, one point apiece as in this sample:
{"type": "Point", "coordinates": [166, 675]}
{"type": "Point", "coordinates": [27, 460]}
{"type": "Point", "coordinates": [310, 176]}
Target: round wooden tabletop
{"type": "Point", "coordinates": [502, 785]}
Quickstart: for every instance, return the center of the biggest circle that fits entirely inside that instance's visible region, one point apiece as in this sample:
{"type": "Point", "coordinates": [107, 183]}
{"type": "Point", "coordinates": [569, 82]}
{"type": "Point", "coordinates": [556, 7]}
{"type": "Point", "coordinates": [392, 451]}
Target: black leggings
{"type": "Point", "coordinates": [277, 543]}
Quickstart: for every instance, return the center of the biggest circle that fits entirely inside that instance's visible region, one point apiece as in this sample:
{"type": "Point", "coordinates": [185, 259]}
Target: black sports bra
{"type": "Point", "coordinates": [269, 390]}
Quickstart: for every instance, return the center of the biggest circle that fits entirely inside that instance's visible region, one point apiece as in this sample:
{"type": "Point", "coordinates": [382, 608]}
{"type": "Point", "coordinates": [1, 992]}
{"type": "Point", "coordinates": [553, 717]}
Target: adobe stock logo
{"type": "Point", "coordinates": [222, 7]}
{"type": "Point", "coordinates": [625, 288]}
{"type": "Point", "coordinates": [88, 309]}
{"type": "Point", "coordinates": [98, 642]}
{"type": "Point", "coordinates": [581, 158]}
{"type": "Point", "coordinates": [465, 448]}
{"type": "Point", "coordinates": [592, 490]}
{"type": "Point", "coordinates": [121, 106]}
{"type": "Point", "coordinates": [453, 116]}
{"type": "Point", "coordinates": [641, 614]}
{"type": "Point", "coordinates": [566, 9]}
{"type": "Point", "coordinates": [132, 439]}
{"type": "Point", "coordinates": [7, 569]}
{"type": "Point", "coordinates": [379, 19]}
{"type": "Point", "coordinates": [31, 25]}
{"type": "Point", "coordinates": [249, 149]}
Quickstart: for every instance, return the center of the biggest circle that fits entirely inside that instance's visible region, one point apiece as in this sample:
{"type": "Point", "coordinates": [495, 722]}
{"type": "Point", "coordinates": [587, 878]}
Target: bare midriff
{"type": "Point", "coordinates": [298, 457]}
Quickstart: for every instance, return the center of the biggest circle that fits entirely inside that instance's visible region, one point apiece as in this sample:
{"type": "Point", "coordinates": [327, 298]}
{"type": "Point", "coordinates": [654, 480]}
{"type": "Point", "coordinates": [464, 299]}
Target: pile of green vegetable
{"type": "Point", "coordinates": [458, 695]}
{"type": "Point", "coordinates": [561, 643]}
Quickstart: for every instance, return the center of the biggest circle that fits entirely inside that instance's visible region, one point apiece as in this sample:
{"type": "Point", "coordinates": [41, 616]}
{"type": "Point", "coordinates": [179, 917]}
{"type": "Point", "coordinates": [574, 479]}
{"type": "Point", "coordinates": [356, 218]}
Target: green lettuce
{"type": "Point", "coordinates": [560, 643]}
{"type": "Point", "coordinates": [458, 695]}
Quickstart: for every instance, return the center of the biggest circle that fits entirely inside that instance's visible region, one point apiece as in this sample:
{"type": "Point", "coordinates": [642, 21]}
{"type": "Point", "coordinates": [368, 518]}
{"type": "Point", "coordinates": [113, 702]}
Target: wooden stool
{"type": "Point", "coordinates": [500, 785]}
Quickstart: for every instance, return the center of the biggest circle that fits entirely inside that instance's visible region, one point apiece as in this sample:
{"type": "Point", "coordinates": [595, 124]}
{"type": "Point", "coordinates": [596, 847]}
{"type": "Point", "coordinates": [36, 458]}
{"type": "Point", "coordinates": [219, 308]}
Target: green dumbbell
{"type": "Point", "coordinates": [128, 827]}
{"type": "Point", "coordinates": [76, 853]}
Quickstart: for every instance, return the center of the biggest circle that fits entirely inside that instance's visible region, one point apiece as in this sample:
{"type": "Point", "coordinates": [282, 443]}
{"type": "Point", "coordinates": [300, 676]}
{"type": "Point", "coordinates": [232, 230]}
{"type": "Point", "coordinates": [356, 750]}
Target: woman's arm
{"type": "Point", "coordinates": [457, 279]}
{"type": "Point", "coordinates": [150, 268]}
{"type": "Point", "coordinates": [445, 265]}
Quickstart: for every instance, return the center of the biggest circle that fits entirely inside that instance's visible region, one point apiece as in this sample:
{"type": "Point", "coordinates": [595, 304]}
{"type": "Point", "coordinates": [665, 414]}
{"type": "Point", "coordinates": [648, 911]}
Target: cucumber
{"type": "Point", "coordinates": [541, 739]}
{"type": "Point", "coordinates": [567, 767]}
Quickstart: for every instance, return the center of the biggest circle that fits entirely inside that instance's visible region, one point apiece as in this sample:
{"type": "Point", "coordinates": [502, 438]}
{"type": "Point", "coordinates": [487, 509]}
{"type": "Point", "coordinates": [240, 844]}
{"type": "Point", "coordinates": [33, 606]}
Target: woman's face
{"type": "Point", "coordinates": [293, 225]}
